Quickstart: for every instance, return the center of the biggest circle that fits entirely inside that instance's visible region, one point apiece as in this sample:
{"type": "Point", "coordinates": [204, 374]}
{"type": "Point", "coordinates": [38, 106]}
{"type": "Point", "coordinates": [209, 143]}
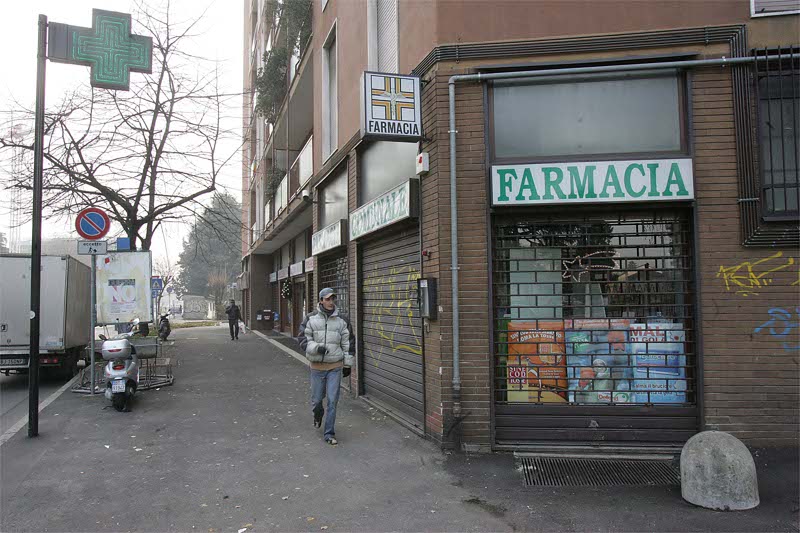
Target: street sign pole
{"type": "Point", "coordinates": [94, 316]}
{"type": "Point", "coordinates": [36, 233]}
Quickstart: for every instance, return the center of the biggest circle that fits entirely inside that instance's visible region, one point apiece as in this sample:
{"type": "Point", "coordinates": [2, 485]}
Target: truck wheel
{"type": "Point", "coordinates": [69, 366]}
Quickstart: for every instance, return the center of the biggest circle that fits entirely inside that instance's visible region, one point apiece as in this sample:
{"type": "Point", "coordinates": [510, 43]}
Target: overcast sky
{"type": "Point", "coordinates": [221, 40]}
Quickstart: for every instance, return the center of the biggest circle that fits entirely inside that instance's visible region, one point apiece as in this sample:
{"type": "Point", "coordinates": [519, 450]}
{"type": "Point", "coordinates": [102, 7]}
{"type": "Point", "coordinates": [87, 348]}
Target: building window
{"type": "Point", "coordinates": [594, 309]}
{"type": "Point", "coordinates": [385, 165]}
{"type": "Point", "coordinates": [333, 199]}
{"type": "Point", "coordinates": [329, 96]}
{"type": "Point", "coordinates": [588, 116]}
{"type": "Point", "coordinates": [765, 8]}
{"type": "Point", "coordinates": [778, 89]}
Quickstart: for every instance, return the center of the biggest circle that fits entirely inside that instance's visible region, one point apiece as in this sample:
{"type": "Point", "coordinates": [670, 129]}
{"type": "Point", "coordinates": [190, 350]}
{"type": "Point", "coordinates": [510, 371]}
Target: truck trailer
{"type": "Point", "coordinates": [65, 307]}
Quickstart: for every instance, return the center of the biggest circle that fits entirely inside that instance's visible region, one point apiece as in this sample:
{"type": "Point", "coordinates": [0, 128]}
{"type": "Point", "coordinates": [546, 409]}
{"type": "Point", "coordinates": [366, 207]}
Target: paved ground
{"type": "Point", "coordinates": [14, 396]}
{"type": "Point", "coordinates": [231, 445]}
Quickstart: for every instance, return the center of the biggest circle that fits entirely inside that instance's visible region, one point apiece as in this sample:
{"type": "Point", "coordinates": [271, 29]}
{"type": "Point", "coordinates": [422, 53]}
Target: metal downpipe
{"type": "Point", "coordinates": [454, 253]}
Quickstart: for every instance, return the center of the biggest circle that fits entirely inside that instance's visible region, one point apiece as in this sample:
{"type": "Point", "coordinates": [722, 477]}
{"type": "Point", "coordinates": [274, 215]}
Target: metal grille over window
{"type": "Point", "coordinates": [333, 273]}
{"type": "Point", "coordinates": [778, 87]}
{"type": "Point", "coordinates": [595, 310]}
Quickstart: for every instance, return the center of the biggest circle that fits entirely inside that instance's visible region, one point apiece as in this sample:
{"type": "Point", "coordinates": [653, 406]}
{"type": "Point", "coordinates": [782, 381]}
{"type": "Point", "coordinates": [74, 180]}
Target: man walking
{"type": "Point", "coordinates": [234, 315]}
{"type": "Point", "coordinates": [328, 341]}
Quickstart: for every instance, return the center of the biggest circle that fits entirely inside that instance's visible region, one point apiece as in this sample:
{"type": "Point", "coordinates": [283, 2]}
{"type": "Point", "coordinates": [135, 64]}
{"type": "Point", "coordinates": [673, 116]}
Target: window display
{"type": "Point", "coordinates": [594, 312]}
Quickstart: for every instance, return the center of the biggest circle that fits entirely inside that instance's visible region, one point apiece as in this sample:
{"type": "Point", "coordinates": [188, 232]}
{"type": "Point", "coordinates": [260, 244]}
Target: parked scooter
{"type": "Point", "coordinates": [164, 328]}
{"type": "Point", "coordinates": [122, 370]}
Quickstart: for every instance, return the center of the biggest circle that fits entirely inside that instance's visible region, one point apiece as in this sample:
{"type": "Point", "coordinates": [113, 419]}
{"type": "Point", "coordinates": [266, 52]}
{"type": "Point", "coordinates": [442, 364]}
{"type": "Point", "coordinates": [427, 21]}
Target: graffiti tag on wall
{"type": "Point", "coordinates": [782, 327]}
{"type": "Point", "coordinates": [395, 307]}
{"type": "Point", "coordinates": [749, 277]}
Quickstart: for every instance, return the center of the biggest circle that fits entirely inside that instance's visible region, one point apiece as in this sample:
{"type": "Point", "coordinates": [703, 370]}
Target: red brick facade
{"type": "Point", "coordinates": [749, 367]}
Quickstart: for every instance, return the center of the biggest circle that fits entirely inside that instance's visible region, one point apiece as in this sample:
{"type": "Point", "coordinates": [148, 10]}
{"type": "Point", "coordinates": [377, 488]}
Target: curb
{"type": "Point", "coordinates": [282, 347]}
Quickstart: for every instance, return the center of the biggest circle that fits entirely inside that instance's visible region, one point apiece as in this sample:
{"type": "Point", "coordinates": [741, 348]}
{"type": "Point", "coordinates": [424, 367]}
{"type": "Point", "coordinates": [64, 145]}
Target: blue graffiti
{"type": "Point", "coordinates": [781, 326]}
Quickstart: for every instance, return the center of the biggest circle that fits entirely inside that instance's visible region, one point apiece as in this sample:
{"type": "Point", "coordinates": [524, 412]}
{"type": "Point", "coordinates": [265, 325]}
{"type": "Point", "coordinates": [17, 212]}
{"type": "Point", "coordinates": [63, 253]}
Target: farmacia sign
{"type": "Point", "coordinates": [593, 182]}
{"type": "Point", "coordinates": [390, 107]}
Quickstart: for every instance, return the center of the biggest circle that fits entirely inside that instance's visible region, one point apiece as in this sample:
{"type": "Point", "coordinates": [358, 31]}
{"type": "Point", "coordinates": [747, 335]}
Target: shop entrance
{"type": "Point", "coordinates": [594, 329]}
{"type": "Point", "coordinates": [286, 316]}
{"type": "Point", "coordinates": [299, 305]}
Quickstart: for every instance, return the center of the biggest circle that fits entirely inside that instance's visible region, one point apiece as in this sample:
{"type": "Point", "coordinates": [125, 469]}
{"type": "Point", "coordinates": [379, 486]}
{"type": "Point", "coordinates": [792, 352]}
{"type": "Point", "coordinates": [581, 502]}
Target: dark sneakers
{"type": "Point", "coordinates": [332, 441]}
{"type": "Point", "coordinates": [319, 412]}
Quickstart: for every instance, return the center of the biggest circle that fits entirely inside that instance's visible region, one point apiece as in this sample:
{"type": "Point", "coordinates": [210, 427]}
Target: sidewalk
{"type": "Point", "coordinates": [231, 445]}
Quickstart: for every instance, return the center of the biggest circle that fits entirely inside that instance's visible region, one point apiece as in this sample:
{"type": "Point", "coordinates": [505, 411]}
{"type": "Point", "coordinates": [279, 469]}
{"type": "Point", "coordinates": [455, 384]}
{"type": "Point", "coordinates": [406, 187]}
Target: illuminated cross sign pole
{"type": "Point", "coordinates": [112, 52]}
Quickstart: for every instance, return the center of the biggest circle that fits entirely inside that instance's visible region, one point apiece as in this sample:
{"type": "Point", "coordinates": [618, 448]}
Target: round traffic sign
{"type": "Point", "coordinates": [92, 223]}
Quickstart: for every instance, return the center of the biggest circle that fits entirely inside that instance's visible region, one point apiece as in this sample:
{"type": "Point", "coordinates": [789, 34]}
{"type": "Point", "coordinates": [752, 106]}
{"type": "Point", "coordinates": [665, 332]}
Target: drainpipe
{"type": "Point", "coordinates": [453, 160]}
{"type": "Point", "coordinates": [454, 249]}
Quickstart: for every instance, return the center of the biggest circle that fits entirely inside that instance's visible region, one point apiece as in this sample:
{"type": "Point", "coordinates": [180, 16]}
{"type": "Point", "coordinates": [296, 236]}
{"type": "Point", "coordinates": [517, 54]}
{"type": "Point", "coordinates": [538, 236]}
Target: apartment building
{"type": "Point", "coordinates": [551, 223]}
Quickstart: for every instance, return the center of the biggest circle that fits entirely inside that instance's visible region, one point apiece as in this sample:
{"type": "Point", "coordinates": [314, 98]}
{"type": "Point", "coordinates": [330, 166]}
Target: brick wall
{"type": "Point", "coordinates": [475, 350]}
{"type": "Point", "coordinates": [431, 209]}
{"type": "Point", "coordinates": [750, 377]}
{"type": "Point", "coordinates": [750, 365]}
{"type": "Point", "coordinates": [352, 258]}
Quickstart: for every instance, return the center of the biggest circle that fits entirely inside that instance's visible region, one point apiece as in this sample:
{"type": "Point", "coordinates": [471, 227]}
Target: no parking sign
{"type": "Point", "coordinates": [92, 223]}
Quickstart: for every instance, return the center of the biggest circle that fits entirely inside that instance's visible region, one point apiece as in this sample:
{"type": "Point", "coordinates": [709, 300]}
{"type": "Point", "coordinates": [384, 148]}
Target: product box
{"type": "Point", "coordinates": [597, 360]}
{"type": "Point", "coordinates": [536, 361]}
{"type": "Point", "coordinates": [659, 359]}
{"type": "Point", "coordinates": [579, 361]}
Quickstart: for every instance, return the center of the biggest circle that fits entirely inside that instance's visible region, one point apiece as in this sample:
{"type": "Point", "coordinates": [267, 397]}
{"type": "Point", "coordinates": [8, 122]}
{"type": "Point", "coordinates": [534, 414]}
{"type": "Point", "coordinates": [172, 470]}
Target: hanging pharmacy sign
{"type": "Point", "coordinates": [398, 204]}
{"type": "Point", "coordinates": [593, 182]}
{"type": "Point", "coordinates": [108, 47]}
{"type": "Point", "coordinates": [390, 107]}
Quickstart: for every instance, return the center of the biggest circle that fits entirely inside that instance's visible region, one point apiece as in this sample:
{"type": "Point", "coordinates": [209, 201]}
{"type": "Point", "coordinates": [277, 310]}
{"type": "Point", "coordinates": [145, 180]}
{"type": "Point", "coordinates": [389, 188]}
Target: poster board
{"type": "Point", "coordinates": [123, 287]}
{"type": "Point", "coordinates": [537, 369]}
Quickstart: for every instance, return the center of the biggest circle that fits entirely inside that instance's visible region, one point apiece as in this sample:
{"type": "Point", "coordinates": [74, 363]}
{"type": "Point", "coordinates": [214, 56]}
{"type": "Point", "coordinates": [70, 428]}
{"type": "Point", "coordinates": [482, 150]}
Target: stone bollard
{"type": "Point", "coordinates": [718, 472]}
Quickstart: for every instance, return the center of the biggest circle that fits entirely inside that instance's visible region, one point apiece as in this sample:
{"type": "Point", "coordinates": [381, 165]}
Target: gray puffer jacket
{"type": "Point", "coordinates": [334, 332]}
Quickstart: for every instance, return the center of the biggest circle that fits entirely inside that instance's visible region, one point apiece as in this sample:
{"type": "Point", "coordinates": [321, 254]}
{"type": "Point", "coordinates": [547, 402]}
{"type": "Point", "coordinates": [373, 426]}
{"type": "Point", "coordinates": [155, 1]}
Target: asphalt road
{"type": "Point", "coordinates": [14, 397]}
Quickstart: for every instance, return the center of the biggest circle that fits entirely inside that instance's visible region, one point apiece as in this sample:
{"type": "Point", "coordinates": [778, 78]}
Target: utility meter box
{"type": "Point", "coordinates": [428, 303]}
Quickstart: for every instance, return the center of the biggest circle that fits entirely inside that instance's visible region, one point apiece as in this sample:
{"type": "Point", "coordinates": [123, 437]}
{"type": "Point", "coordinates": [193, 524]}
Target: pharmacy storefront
{"type": "Point", "coordinates": [593, 279]}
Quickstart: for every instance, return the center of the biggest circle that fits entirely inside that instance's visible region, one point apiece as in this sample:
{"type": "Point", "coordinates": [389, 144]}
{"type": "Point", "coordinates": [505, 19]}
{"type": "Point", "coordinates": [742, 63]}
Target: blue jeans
{"type": "Point", "coordinates": [326, 383]}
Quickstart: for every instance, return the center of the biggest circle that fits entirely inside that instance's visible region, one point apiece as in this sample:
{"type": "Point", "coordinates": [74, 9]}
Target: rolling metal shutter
{"type": "Point", "coordinates": [391, 328]}
{"type": "Point", "coordinates": [765, 7]}
{"type": "Point", "coordinates": [333, 273]}
{"type": "Point", "coordinates": [595, 333]}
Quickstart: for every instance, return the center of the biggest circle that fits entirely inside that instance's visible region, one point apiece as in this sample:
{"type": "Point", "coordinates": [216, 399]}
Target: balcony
{"type": "Point", "coordinates": [303, 167]}
{"type": "Point", "coordinates": [288, 147]}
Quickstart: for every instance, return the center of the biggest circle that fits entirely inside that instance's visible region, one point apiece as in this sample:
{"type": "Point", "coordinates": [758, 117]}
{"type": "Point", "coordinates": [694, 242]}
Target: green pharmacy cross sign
{"type": "Point", "coordinates": [108, 47]}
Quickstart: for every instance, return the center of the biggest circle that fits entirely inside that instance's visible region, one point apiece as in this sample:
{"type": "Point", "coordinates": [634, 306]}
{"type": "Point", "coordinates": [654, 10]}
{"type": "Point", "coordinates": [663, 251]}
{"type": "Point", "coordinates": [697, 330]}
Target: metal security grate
{"type": "Point", "coordinates": [778, 90]}
{"type": "Point", "coordinates": [334, 273]}
{"type": "Point", "coordinates": [594, 311]}
{"type": "Point", "coordinates": [542, 471]}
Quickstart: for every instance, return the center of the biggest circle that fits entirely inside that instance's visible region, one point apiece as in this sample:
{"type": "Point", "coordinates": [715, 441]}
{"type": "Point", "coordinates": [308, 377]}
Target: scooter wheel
{"type": "Point", "coordinates": [119, 401]}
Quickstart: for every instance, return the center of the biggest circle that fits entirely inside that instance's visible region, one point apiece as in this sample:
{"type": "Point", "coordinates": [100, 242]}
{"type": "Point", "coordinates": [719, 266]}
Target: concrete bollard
{"type": "Point", "coordinates": [718, 472]}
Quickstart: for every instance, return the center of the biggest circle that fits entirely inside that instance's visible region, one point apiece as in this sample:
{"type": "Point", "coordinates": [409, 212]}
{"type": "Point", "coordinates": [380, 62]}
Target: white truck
{"type": "Point", "coordinates": [65, 307]}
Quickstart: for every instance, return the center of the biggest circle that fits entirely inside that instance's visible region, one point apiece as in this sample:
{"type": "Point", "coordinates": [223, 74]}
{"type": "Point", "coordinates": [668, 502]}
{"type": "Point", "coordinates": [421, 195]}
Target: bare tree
{"type": "Point", "coordinates": [149, 155]}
